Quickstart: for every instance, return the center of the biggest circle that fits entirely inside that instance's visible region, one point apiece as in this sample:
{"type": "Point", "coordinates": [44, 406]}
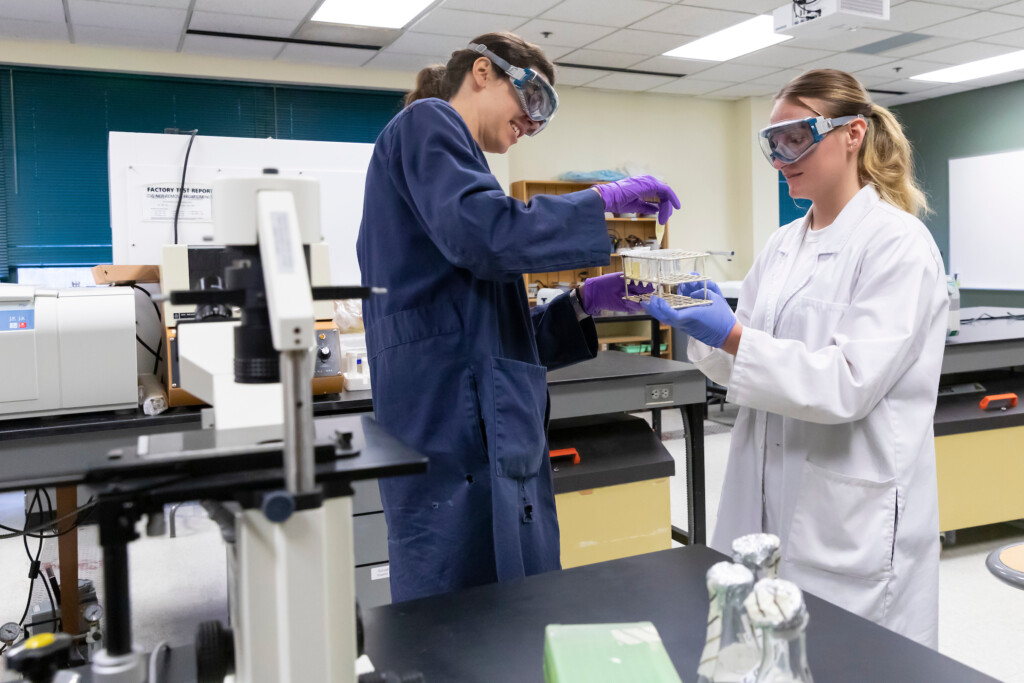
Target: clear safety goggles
{"type": "Point", "coordinates": [539, 100]}
{"type": "Point", "coordinates": [789, 141]}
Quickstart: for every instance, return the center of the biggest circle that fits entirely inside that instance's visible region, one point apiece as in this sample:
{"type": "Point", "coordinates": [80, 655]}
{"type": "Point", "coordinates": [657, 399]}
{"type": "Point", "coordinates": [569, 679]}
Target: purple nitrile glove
{"type": "Point", "coordinates": [639, 194]}
{"type": "Point", "coordinates": [709, 323]}
{"type": "Point", "coordinates": [695, 290]}
{"type": "Point", "coordinates": [605, 292]}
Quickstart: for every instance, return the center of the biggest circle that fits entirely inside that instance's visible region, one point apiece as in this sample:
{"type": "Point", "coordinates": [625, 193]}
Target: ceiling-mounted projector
{"type": "Point", "coordinates": [817, 18]}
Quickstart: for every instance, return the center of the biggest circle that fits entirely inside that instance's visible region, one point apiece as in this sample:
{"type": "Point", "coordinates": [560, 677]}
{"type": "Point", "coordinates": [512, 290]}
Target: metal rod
{"type": "Point", "coordinates": [296, 381]}
{"type": "Point", "coordinates": [117, 636]}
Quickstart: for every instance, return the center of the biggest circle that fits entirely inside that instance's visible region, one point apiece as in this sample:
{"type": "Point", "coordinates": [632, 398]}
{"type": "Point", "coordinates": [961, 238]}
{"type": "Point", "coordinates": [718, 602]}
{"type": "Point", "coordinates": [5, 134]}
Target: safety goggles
{"type": "Point", "coordinates": [538, 98]}
{"type": "Point", "coordinates": [789, 141]}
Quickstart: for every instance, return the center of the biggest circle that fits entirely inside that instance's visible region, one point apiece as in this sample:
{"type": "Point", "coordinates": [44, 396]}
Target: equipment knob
{"type": "Point", "coordinates": [324, 352]}
{"type": "Point", "coordinates": [39, 657]}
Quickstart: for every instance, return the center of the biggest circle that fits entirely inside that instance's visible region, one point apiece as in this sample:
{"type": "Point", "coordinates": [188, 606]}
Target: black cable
{"type": "Point", "coordinates": [32, 533]}
{"type": "Point", "coordinates": [986, 316]}
{"type": "Point", "coordinates": [31, 574]}
{"type": "Point", "coordinates": [148, 294]}
{"type": "Point", "coordinates": [156, 361]}
{"type": "Point", "coordinates": [149, 348]}
{"type": "Point", "coordinates": [181, 190]}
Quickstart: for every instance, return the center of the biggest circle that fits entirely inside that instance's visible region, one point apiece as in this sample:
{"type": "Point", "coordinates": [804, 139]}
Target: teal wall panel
{"type": "Point", "coordinates": [53, 142]}
{"type": "Point", "coordinates": [984, 121]}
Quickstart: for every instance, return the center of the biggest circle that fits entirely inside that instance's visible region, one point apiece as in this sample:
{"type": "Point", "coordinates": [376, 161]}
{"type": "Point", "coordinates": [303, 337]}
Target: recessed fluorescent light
{"type": "Point", "coordinates": [978, 69]}
{"type": "Point", "coordinates": [378, 13]}
{"type": "Point", "coordinates": [748, 36]}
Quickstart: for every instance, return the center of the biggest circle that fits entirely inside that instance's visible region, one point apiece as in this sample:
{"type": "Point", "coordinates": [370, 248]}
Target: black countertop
{"type": "Point", "coordinates": [495, 633]}
{"type": "Point", "coordinates": [614, 449]}
{"type": "Point", "coordinates": [620, 365]}
{"type": "Point", "coordinates": [957, 414]}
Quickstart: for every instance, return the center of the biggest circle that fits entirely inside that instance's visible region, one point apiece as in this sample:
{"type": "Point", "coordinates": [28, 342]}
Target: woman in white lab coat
{"type": "Point", "coordinates": [834, 357]}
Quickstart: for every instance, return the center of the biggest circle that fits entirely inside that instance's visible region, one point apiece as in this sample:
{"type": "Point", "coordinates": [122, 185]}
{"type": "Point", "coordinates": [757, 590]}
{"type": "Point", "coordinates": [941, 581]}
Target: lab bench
{"type": "Point", "coordinates": [607, 386]}
{"type": "Point", "coordinates": [495, 633]}
{"type": "Point", "coordinates": [979, 454]}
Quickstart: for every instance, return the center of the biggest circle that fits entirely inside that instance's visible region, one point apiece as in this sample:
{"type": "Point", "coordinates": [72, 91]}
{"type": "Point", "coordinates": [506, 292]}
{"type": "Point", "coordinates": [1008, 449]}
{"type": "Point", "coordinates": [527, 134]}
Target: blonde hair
{"type": "Point", "coordinates": [886, 159]}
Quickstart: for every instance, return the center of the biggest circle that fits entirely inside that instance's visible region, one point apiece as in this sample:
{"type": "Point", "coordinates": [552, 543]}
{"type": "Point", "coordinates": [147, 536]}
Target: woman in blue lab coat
{"type": "Point", "coordinates": [458, 360]}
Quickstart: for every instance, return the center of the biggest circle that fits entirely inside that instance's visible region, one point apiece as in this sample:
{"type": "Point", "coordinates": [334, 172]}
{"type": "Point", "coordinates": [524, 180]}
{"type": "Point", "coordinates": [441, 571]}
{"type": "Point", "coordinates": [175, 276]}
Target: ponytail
{"type": "Point", "coordinates": [887, 162]}
{"type": "Point", "coordinates": [886, 159]}
{"type": "Point", "coordinates": [429, 83]}
{"type": "Point", "coordinates": [443, 81]}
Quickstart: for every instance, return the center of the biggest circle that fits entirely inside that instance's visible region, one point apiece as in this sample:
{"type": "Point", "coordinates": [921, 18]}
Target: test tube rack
{"type": "Point", "coordinates": [666, 269]}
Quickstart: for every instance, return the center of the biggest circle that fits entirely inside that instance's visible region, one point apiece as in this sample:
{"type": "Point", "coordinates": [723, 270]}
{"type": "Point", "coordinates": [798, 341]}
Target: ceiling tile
{"type": "Point", "coordinates": [562, 33]}
{"type": "Point", "coordinates": [278, 9]}
{"type": "Point", "coordinates": [129, 17]}
{"type": "Point", "coordinates": [914, 15]}
{"type": "Point", "coordinates": [323, 54]}
{"type": "Point", "coordinates": [398, 62]}
{"type": "Point", "coordinates": [462, 23]}
{"type": "Point", "coordinates": [554, 52]}
{"type": "Point", "coordinates": [690, 21]}
{"type": "Point", "coordinates": [428, 44]}
{"type": "Point", "coordinates": [965, 52]}
{"type": "Point", "coordinates": [909, 86]}
{"type": "Point", "coordinates": [744, 90]}
{"type": "Point", "coordinates": [648, 43]}
{"type": "Point", "coordinates": [33, 30]}
{"type": "Point", "coordinates": [357, 35]}
{"type": "Point", "coordinates": [33, 10]}
{"type": "Point", "coordinates": [919, 47]}
{"type": "Point", "coordinates": [673, 65]}
{"type": "Point", "coordinates": [851, 62]}
{"type": "Point", "coordinates": [975, 26]}
{"type": "Point", "coordinates": [526, 8]}
{"type": "Point", "coordinates": [1012, 8]}
{"type": "Point", "coordinates": [636, 82]}
{"type": "Point", "coordinates": [152, 40]}
{"type": "Point", "coordinates": [231, 47]}
{"type": "Point", "coordinates": [900, 69]}
{"type": "Point", "coordinates": [736, 73]}
{"type": "Point", "coordinates": [783, 56]}
{"type": "Point", "coordinates": [974, 4]}
{"type": "Point", "coordinates": [615, 14]}
{"type": "Point", "coordinates": [238, 23]}
{"type": "Point", "coordinates": [752, 6]}
{"type": "Point", "coordinates": [569, 76]}
{"type": "Point", "coordinates": [840, 39]}
{"type": "Point", "coordinates": [778, 79]}
{"type": "Point", "coordinates": [1009, 39]}
{"type": "Point", "coordinates": [619, 60]}
{"type": "Point", "coordinates": [690, 86]}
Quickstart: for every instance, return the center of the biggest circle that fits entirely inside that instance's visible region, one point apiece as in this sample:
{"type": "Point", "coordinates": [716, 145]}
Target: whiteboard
{"type": "Point", "coordinates": [986, 220]}
{"type": "Point", "coordinates": [145, 172]}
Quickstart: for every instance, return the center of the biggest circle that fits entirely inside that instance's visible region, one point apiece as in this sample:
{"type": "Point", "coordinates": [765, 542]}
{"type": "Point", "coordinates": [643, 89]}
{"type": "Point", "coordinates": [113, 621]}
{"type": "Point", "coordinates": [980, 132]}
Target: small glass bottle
{"type": "Point", "coordinates": [730, 648]}
{"type": "Point", "coordinates": [776, 608]}
{"type": "Point", "coordinates": [759, 553]}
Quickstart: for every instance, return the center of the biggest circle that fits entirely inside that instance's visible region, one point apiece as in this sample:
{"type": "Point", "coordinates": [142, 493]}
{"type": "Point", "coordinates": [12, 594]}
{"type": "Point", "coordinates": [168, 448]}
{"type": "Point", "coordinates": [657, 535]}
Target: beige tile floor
{"type": "Point", "coordinates": [178, 582]}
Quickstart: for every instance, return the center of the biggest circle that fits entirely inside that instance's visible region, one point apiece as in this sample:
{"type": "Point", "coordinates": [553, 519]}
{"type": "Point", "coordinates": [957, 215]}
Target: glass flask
{"type": "Point", "coordinates": [730, 647]}
{"type": "Point", "coordinates": [776, 608]}
{"type": "Point", "coordinates": [760, 553]}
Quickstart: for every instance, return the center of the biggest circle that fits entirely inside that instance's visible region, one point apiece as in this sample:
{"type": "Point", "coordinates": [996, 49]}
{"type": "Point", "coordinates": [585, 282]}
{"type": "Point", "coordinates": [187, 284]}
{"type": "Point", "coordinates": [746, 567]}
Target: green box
{"type": "Point", "coordinates": [606, 653]}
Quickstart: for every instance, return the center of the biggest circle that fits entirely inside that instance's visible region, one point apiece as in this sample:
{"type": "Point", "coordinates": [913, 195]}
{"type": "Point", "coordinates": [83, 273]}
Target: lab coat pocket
{"type": "Point", "coordinates": [814, 322]}
{"type": "Point", "coordinates": [517, 419]}
{"type": "Point", "coordinates": [843, 525]}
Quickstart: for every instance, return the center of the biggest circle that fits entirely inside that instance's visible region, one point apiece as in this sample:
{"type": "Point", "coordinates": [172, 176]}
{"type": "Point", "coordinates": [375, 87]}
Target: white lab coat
{"type": "Point", "coordinates": [836, 378]}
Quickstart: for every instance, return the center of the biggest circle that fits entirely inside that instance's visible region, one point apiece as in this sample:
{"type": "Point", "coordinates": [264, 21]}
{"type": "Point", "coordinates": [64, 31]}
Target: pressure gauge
{"type": "Point", "coordinates": [9, 632]}
{"type": "Point", "coordinates": [93, 613]}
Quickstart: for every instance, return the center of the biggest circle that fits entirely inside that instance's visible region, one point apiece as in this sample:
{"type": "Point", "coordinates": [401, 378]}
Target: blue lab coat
{"type": "Point", "coordinates": [457, 358]}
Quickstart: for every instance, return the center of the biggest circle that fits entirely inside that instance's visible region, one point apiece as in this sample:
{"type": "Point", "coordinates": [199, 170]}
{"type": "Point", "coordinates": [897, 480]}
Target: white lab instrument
{"type": "Point", "coordinates": [293, 586]}
{"type": "Point", "coordinates": [66, 350]}
{"type": "Point", "coordinates": [836, 376]}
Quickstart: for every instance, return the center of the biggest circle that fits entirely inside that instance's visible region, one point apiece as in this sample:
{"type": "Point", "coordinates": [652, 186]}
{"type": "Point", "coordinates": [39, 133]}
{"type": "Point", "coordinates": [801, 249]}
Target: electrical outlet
{"type": "Point", "coordinates": [658, 394]}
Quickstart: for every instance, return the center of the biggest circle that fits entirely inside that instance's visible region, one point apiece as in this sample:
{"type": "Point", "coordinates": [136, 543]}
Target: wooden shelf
{"type": "Point", "coordinates": [632, 220]}
{"type": "Point", "coordinates": [624, 340]}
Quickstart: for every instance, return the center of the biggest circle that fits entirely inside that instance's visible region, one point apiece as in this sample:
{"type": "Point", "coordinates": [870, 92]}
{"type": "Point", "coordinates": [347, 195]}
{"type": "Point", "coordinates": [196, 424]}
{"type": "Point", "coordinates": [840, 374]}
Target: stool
{"type": "Point", "coordinates": [1007, 564]}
